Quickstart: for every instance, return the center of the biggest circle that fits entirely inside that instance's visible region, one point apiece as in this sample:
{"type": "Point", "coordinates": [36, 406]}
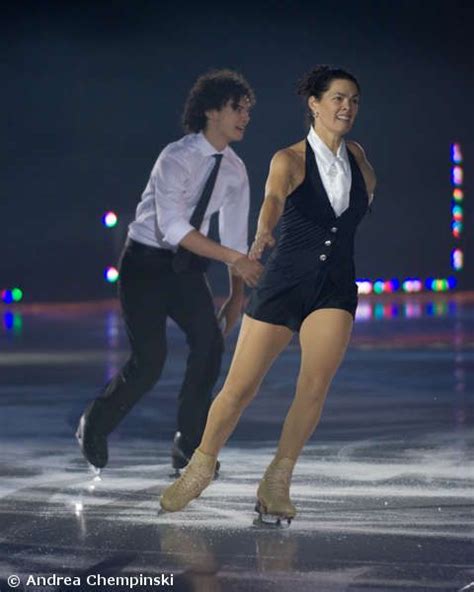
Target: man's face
{"type": "Point", "coordinates": [230, 121]}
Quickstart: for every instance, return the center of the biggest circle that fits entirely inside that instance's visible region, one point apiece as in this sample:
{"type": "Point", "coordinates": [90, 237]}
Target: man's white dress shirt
{"type": "Point", "coordinates": [173, 191]}
{"type": "Point", "coordinates": [335, 171]}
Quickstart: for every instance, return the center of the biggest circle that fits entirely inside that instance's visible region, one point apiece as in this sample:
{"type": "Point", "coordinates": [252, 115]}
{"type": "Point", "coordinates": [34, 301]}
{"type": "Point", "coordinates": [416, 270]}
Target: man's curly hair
{"type": "Point", "coordinates": [212, 91]}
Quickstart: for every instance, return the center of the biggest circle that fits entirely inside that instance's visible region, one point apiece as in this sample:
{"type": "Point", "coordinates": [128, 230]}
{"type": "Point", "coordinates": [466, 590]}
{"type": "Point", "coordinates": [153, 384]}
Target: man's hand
{"type": "Point", "coordinates": [261, 242]}
{"type": "Point", "coordinates": [229, 314]}
{"type": "Point", "coordinates": [248, 270]}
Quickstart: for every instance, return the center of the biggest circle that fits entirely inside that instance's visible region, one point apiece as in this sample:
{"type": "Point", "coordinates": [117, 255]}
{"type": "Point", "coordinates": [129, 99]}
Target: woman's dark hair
{"type": "Point", "coordinates": [316, 82]}
{"type": "Point", "coordinates": [212, 91]}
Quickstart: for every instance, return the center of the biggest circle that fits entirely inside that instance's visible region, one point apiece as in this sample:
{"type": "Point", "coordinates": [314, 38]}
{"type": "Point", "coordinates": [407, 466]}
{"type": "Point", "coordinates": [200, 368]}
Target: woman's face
{"type": "Point", "coordinates": [337, 109]}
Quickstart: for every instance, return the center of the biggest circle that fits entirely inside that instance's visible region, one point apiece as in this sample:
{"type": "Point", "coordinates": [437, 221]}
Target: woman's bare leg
{"type": "Point", "coordinates": [324, 337]}
{"type": "Point", "coordinates": [258, 346]}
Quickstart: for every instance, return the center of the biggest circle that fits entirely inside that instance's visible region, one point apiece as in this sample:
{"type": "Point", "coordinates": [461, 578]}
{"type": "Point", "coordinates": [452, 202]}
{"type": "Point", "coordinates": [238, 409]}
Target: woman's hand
{"type": "Point", "coordinates": [248, 269]}
{"type": "Point", "coordinates": [263, 240]}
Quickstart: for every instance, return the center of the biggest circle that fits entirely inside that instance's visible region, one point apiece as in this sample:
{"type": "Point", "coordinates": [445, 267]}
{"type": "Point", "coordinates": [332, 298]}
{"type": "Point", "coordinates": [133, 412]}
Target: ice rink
{"type": "Point", "coordinates": [384, 489]}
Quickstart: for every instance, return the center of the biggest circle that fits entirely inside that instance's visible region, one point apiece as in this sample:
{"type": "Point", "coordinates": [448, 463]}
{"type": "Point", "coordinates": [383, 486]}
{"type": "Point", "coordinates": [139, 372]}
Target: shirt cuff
{"type": "Point", "coordinates": [177, 231]}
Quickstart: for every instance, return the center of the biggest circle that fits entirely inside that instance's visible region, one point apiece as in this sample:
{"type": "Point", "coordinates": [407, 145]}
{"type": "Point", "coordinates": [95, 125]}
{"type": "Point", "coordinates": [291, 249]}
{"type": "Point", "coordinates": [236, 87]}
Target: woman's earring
{"type": "Point", "coordinates": [315, 114]}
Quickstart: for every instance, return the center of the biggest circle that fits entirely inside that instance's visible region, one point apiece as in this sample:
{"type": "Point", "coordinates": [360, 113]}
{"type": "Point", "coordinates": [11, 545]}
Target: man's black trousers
{"type": "Point", "coordinates": [150, 291]}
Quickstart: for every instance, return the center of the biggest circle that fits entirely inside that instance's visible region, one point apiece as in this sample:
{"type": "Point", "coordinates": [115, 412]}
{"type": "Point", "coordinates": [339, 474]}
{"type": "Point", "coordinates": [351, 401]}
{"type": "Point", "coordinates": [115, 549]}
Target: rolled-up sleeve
{"type": "Point", "coordinates": [233, 217]}
{"type": "Point", "coordinates": [170, 177]}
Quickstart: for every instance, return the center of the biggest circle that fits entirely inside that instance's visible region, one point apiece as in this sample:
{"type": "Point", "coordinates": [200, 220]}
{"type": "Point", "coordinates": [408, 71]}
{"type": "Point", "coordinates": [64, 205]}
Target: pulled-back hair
{"type": "Point", "coordinates": [316, 82]}
{"type": "Point", "coordinates": [212, 91]}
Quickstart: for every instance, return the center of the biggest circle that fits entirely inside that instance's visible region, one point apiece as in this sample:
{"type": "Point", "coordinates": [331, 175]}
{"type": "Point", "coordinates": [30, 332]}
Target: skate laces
{"type": "Point", "coordinates": [195, 477]}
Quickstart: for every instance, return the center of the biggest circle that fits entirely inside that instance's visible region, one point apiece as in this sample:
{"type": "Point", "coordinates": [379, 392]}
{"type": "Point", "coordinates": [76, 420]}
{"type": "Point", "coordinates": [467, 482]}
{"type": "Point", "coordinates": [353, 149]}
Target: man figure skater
{"type": "Point", "coordinates": [162, 265]}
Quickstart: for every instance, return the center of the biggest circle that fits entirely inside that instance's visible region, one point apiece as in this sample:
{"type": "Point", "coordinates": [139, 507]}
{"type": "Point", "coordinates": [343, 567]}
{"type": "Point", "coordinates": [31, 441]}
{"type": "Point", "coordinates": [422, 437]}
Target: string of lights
{"type": "Point", "coordinates": [413, 284]}
{"type": "Point", "coordinates": [365, 285]}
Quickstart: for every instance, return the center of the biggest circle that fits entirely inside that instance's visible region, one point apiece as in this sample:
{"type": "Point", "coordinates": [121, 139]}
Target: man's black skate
{"type": "Point", "coordinates": [181, 455]}
{"type": "Point", "coordinates": [92, 442]}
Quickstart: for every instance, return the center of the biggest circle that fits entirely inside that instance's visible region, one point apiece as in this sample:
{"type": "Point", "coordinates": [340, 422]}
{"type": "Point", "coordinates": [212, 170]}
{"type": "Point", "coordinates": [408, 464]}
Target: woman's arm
{"type": "Point", "coordinates": [280, 183]}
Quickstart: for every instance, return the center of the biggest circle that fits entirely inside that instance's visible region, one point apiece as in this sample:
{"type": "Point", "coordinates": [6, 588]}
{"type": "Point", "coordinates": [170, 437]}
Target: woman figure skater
{"type": "Point", "coordinates": [321, 187]}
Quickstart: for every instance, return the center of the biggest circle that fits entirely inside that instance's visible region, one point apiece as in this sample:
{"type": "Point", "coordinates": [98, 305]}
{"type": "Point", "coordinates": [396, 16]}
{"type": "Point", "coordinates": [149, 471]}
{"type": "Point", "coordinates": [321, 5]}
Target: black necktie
{"type": "Point", "coordinates": [185, 260]}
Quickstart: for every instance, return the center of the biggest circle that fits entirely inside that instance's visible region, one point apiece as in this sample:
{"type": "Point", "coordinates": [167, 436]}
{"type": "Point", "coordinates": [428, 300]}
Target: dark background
{"type": "Point", "coordinates": [92, 91]}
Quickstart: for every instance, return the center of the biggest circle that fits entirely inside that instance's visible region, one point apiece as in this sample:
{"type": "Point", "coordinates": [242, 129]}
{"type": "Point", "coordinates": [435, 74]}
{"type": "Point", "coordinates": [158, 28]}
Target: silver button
{"type": "Point", "coordinates": [334, 229]}
{"type": "Point", "coordinates": [323, 257]}
{"type": "Point", "coordinates": [328, 243]}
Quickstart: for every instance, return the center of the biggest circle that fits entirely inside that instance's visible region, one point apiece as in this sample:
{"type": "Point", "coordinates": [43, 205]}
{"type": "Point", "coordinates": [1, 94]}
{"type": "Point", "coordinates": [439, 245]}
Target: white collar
{"type": "Point", "coordinates": [325, 155]}
{"type": "Point", "coordinates": [207, 148]}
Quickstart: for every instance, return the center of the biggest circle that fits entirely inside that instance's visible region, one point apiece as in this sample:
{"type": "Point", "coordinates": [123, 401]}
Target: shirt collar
{"type": "Point", "coordinates": [207, 148]}
{"type": "Point", "coordinates": [325, 155]}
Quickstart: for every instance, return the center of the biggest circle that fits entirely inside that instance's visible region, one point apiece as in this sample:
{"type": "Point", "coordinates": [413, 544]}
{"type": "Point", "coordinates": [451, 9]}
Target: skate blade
{"type": "Point", "coordinates": [96, 472]}
{"type": "Point", "coordinates": [270, 520]}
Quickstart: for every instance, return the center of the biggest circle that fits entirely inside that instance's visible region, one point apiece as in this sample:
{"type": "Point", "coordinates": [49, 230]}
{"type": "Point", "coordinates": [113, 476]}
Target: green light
{"type": "Point", "coordinates": [378, 286]}
{"type": "Point", "coordinates": [17, 294]}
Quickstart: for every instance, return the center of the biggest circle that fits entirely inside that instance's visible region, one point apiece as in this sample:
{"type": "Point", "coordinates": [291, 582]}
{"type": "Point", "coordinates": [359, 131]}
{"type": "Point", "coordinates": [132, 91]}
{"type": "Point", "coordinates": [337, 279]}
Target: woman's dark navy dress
{"type": "Point", "coordinates": [312, 267]}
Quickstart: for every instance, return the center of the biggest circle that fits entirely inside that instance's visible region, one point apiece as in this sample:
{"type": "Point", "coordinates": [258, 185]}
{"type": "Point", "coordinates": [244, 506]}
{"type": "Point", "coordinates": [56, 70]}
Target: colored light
{"type": "Point", "coordinates": [438, 284]}
{"type": "Point", "coordinates": [457, 212]}
{"type": "Point", "coordinates": [458, 195]}
{"type": "Point", "coordinates": [457, 259]}
{"type": "Point", "coordinates": [10, 295]}
{"type": "Point", "coordinates": [452, 282]}
{"type": "Point", "coordinates": [395, 284]}
{"type": "Point", "coordinates": [379, 286]}
{"type": "Point", "coordinates": [7, 296]}
{"type": "Point", "coordinates": [109, 219]}
{"type": "Point", "coordinates": [456, 153]}
{"type": "Point", "coordinates": [457, 175]}
{"type": "Point", "coordinates": [17, 294]}
{"type": "Point", "coordinates": [111, 275]}
{"type": "Point", "coordinates": [364, 286]}
{"type": "Point", "coordinates": [411, 285]}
